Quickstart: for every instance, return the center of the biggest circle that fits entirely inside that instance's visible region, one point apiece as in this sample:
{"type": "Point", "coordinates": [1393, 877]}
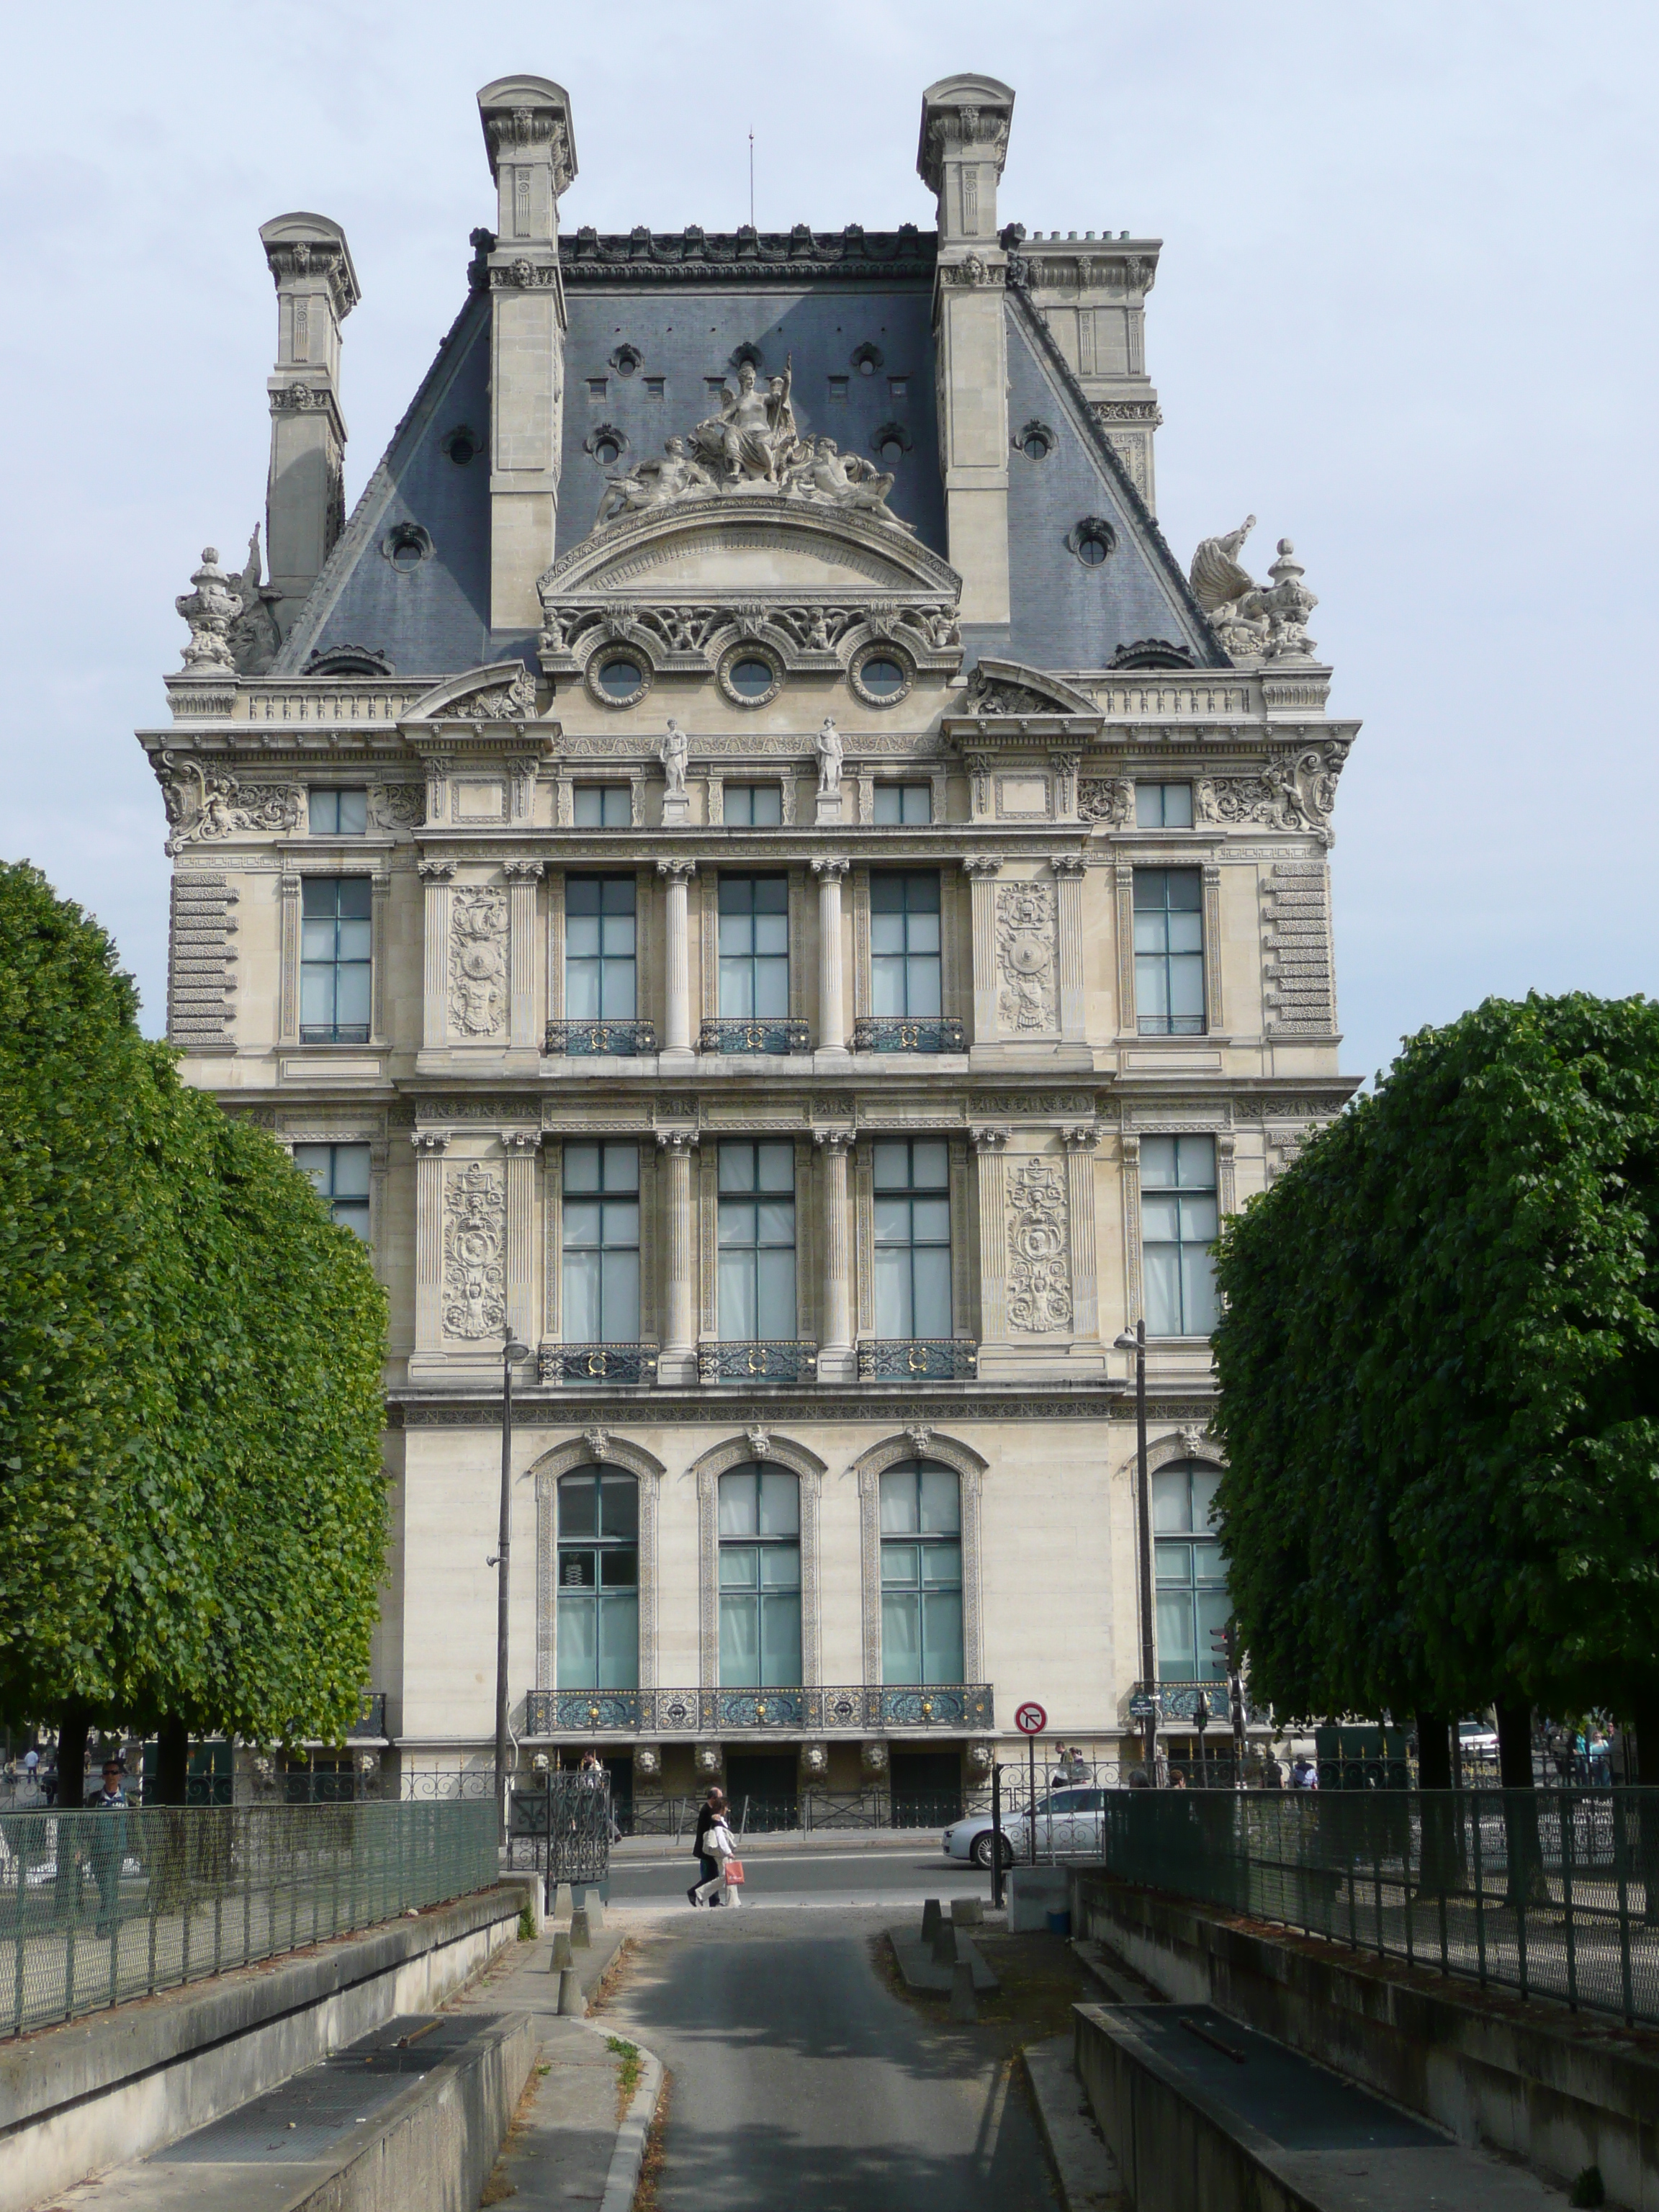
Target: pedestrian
{"type": "Point", "coordinates": [109, 1847]}
{"type": "Point", "coordinates": [718, 1846]}
{"type": "Point", "coordinates": [31, 1764]}
{"type": "Point", "coordinates": [712, 1809]}
{"type": "Point", "coordinates": [1304, 1773]}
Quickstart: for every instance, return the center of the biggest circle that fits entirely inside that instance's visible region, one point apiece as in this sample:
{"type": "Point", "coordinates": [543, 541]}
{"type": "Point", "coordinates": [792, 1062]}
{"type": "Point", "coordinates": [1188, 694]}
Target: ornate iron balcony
{"type": "Point", "coordinates": [916, 1359]}
{"type": "Point", "coordinates": [580, 1039]}
{"type": "Point", "coordinates": [371, 1716]}
{"type": "Point", "coordinates": [754, 1037]}
{"type": "Point", "coordinates": [600, 1363]}
{"type": "Point", "coordinates": [1177, 1702]}
{"type": "Point", "coordinates": [810, 1708]}
{"type": "Point", "coordinates": [891, 1033]}
{"type": "Point", "coordinates": [774, 1360]}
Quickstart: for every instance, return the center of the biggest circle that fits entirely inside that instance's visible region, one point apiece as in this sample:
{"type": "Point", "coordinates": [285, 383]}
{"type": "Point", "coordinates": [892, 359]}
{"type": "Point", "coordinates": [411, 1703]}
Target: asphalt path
{"type": "Point", "coordinates": [801, 2080]}
{"type": "Point", "coordinates": [801, 1877]}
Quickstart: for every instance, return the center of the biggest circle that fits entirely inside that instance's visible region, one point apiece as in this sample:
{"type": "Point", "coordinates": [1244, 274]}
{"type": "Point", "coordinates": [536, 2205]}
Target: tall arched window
{"type": "Point", "coordinates": [760, 1578]}
{"type": "Point", "coordinates": [599, 1599]}
{"type": "Point", "coordinates": [920, 1573]}
{"type": "Point", "coordinates": [1191, 1572]}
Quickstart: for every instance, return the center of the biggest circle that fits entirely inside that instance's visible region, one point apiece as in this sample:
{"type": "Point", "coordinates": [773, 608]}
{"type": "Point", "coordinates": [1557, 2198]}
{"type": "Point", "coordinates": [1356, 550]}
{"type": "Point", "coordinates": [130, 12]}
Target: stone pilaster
{"type": "Point", "coordinates": [1068, 901]}
{"type": "Point", "coordinates": [989, 1145]}
{"type": "Point", "coordinates": [430, 1146]}
{"type": "Point", "coordinates": [832, 1019]}
{"type": "Point", "coordinates": [836, 1341]}
{"type": "Point", "coordinates": [522, 878]}
{"type": "Point", "coordinates": [677, 1023]}
{"type": "Point", "coordinates": [981, 873]}
{"type": "Point", "coordinates": [435, 966]}
{"type": "Point", "coordinates": [520, 1147]}
{"type": "Point", "coordinates": [1080, 1143]}
{"type": "Point", "coordinates": [678, 1360]}
{"type": "Point", "coordinates": [305, 493]}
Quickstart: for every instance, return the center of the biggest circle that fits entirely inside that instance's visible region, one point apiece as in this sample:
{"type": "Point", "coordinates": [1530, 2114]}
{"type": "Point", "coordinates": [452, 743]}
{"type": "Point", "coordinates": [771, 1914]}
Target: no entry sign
{"type": "Point", "coordinates": [1031, 1719]}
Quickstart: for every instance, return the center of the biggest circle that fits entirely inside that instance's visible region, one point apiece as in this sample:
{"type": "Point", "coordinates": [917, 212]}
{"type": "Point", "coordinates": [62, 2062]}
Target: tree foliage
{"type": "Point", "coordinates": [192, 1513]}
{"type": "Point", "coordinates": [1439, 1370]}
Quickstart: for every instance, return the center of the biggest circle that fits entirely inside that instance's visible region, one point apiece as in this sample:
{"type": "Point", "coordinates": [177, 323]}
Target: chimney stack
{"type": "Point", "coordinates": [305, 497]}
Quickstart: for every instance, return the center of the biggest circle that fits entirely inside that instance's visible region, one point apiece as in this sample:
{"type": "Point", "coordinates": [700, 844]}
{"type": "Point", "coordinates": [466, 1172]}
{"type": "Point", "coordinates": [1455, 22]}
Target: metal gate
{"type": "Point", "coordinates": [562, 1826]}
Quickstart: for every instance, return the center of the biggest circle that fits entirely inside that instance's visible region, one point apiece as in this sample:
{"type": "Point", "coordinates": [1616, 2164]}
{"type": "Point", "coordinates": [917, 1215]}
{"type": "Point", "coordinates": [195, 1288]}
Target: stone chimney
{"type": "Point", "coordinates": [964, 143]}
{"type": "Point", "coordinates": [305, 496]}
{"type": "Point", "coordinates": [532, 158]}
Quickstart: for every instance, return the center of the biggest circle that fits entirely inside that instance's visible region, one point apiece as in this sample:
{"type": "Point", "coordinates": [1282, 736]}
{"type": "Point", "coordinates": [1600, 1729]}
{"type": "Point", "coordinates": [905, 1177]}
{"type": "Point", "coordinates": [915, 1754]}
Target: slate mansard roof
{"type": "Point", "coordinates": [656, 323]}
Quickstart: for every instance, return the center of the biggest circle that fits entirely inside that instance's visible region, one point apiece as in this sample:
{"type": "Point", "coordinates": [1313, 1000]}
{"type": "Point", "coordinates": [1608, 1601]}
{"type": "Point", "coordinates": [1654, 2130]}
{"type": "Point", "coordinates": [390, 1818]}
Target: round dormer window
{"type": "Point", "coordinates": [751, 676]}
{"type": "Point", "coordinates": [621, 680]}
{"type": "Point", "coordinates": [751, 679]}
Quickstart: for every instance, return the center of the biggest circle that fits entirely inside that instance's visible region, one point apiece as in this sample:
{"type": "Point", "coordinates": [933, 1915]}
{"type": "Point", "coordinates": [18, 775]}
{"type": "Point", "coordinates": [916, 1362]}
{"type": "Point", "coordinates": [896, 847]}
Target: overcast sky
{"type": "Point", "coordinates": [1405, 314]}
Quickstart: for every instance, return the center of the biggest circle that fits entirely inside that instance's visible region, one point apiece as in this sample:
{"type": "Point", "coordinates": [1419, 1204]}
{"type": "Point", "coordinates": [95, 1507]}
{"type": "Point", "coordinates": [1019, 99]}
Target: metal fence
{"type": "Point", "coordinates": [100, 1907]}
{"type": "Point", "coordinates": [1550, 1892]}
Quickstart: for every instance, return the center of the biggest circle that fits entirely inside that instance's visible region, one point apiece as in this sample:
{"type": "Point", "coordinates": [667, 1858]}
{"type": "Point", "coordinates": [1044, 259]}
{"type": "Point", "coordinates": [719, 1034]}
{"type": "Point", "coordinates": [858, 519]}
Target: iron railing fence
{"type": "Point", "coordinates": [712, 1712]}
{"type": "Point", "coordinates": [97, 1908]}
{"type": "Point", "coordinates": [1549, 1893]}
{"type": "Point", "coordinates": [893, 1033]}
{"type": "Point", "coordinates": [562, 1824]}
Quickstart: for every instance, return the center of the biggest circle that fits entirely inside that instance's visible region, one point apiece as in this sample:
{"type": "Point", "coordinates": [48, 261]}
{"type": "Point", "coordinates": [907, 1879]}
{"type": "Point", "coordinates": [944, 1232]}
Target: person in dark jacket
{"type": "Point", "coordinates": [109, 1847]}
{"type": "Point", "coordinates": [711, 1812]}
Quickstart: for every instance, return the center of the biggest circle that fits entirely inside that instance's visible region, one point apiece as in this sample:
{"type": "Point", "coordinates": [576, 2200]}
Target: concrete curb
{"type": "Point", "coordinates": [628, 2156]}
{"type": "Point", "coordinates": [1090, 2178]}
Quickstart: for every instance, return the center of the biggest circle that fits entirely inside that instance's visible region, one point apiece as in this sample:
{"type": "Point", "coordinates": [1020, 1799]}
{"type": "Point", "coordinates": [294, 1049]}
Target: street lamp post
{"type": "Point", "coordinates": [1134, 1340]}
{"type": "Point", "coordinates": [512, 1352]}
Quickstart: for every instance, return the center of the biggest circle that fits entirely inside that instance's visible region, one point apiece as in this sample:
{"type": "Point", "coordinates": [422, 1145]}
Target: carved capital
{"type": "Point", "coordinates": [990, 1139]}
{"type": "Point", "coordinates": [1081, 1137]}
{"type": "Point", "coordinates": [520, 1141]}
{"type": "Point", "coordinates": [834, 1140]}
{"type": "Point", "coordinates": [429, 1141]}
{"type": "Point", "coordinates": [682, 871]}
{"type": "Point", "coordinates": [830, 869]}
{"type": "Point", "coordinates": [527, 871]}
{"type": "Point", "coordinates": [677, 1140]}
{"type": "Point", "coordinates": [434, 872]}
{"type": "Point", "coordinates": [981, 866]}
{"type": "Point", "coordinates": [1067, 865]}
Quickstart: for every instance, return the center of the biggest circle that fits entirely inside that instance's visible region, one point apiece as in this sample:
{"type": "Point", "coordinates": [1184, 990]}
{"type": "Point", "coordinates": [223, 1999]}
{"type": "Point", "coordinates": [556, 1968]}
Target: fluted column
{"type": "Point", "coordinates": [435, 1016]}
{"type": "Point", "coordinates": [678, 1360]}
{"type": "Point", "coordinates": [520, 1146]}
{"type": "Point", "coordinates": [988, 1146]}
{"type": "Point", "coordinates": [676, 1026]}
{"type": "Point", "coordinates": [1080, 1143]}
{"type": "Point", "coordinates": [832, 1018]}
{"type": "Point", "coordinates": [835, 1351]}
{"type": "Point", "coordinates": [981, 873]}
{"type": "Point", "coordinates": [430, 1149]}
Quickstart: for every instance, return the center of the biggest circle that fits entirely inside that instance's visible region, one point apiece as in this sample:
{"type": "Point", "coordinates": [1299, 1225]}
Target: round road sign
{"type": "Point", "coordinates": [1031, 1719]}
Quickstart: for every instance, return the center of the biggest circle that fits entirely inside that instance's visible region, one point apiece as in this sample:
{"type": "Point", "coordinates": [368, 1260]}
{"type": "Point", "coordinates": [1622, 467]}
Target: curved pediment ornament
{"type": "Point", "coordinates": [1001, 688]}
{"type": "Point", "coordinates": [503, 691]}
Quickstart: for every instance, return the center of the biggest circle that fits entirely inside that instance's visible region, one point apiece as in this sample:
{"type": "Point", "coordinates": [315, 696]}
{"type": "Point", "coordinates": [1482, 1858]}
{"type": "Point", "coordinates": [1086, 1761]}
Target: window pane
{"type": "Point", "coordinates": [780, 1640]}
{"type": "Point", "coordinates": [1198, 1292]}
{"type": "Point", "coordinates": [617, 991]}
{"type": "Point", "coordinates": [1195, 1162]}
{"type": "Point", "coordinates": [941, 1635]}
{"type": "Point", "coordinates": [775, 1293]}
{"type": "Point", "coordinates": [582, 895]}
{"type": "Point", "coordinates": [1214, 1610]}
{"type": "Point", "coordinates": [619, 1642]}
{"type": "Point", "coordinates": [901, 1565]}
{"type": "Point", "coordinates": [900, 1637]}
{"type": "Point", "coordinates": [576, 1655]}
{"type": "Point", "coordinates": [619, 1502]}
{"type": "Point", "coordinates": [579, 1506]}
{"type": "Point", "coordinates": [893, 1308]}
{"type": "Point", "coordinates": [737, 1299]}
{"type": "Point", "coordinates": [1185, 997]}
{"type": "Point", "coordinates": [1172, 1496]}
{"type": "Point", "coordinates": [889, 802]}
{"type": "Point", "coordinates": [918, 802]}
{"type": "Point", "coordinates": [930, 1219]}
{"type": "Point", "coordinates": [922, 987]}
{"type": "Point", "coordinates": [317, 937]}
{"type": "Point", "coordinates": [621, 1167]}
{"type": "Point", "coordinates": [581, 1297]}
{"type": "Point", "coordinates": [739, 1641]}
{"type": "Point", "coordinates": [1209, 1564]}
{"type": "Point", "coordinates": [892, 1219]}
{"type": "Point", "coordinates": [1162, 1271]}
{"type": "Point", "coordinates": [898, 1500]}
{"type": "Point", "coordinates": [355, 892]}
{"type": "Point", "coordinates": [779, 1505]}
{"type": "Point", "coordinates": [771, 998]}
{"type": "Point", "coordinates": [941, 1501]}
{"type": "Point", "coordinates": [931, 1293]}
{"type": "Point", "coordinates": [1173, 1563]}
{"type": "Point", "coordinates": [738, 1503]}
{"type": "Point", "coordinates": [736, 1168]}
{"type": "Point", "coordinates": [352, 814]}
{"type": "Point", "coordinates": [888, 985]}
{"type": "Point", "coordinates": [922, 932]}
{"type": "Point", "coordinates": [350, 1170]}
{"type": "Point", "coordinates": [775, 1167]}
{"type": "Point", "coordinates": [617, 935]}
{"type": "Point", "coordinates": [582, 1218]}
{"type": "Point", "coordinates": [619, 1315]}
{"type": "Point", "coordinates": [1160, 1217]}
{"type": "Point", "coordinates": [1207, 1481]}
{"type": "Point", "coordinates": [351, 999]}
{"type": "Point", "coordinates": [780, 1567]}
{"type": "Point", "coordinates": [1158, 1162]}
{"type": "Point", "coordinates": [891, 1166]}
{"type": "Point", "coordinates": [1177, 1648]}
{"type": "Point", "coordinates": [941, 1566]}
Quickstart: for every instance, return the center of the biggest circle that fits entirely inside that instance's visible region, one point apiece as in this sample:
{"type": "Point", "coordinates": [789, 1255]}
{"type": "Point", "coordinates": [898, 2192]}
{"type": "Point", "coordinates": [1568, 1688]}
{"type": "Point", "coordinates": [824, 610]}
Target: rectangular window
{"type": "Point", "coordinates": [334, 960]}
{"type": "Point", "coordinates": [602, 806]}
{"type": "Point", "coordinates": [904, 802]}
{"type": "Point", "coordinates": [913, 1238]}
{"type": "Point", "coordinates": [921, 1574]}
{"type": "Point", "coordinates": [601, 1243]}
{"type": "Point", "coordinates": [600, 971]}
{"type": "Point", "coordinates": [760, 1578]}
{"type": "Point", "coordinates": [596, 387]}
{"type": "Point", "coordinates": [340, 1173]}
{"type": "Point", "coordinates": [599, 1599]}
{"type": "Point", "coordinates": [1169, 951]}
{"type": "Point", "coordinates": [654, 387]}
{"type": "Point", "coordinates": [904, 946]}
{"type": "Point", "coordinates": [898, 386]}
{"type": "Point", "coordinates": [1178, 1223]}
{"type": "Point", "coordinates": [757, 1243]}
{"type": "Point", "coordinates": [1163, 806]}
{"type": "Point", "coordinates": [838, 387]}
{"type": "Point", "coordinates": [753, 806]}
{"type": "Point", "coordinates": [754, 918]}
{"type": "Point", "coordinates": [1191, 1572]}
{"type": "Point", "coordinates": [337, 813]}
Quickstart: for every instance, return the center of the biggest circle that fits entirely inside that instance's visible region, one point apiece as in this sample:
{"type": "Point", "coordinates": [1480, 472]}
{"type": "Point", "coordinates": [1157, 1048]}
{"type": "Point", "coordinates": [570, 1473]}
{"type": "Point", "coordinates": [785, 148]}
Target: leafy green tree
{"type": "Point", "coordinates": [1439, 1369]}
{"type": "Point", "coordinates": [191, 1502]}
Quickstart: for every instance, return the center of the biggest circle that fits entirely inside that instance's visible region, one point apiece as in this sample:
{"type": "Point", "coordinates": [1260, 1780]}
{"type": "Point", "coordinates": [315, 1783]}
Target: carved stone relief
{"type": "Point", "coordinates": [1108, 798]}
{"type": "Point", "coordinates": [1027, 1000]}
{"type": "Point", "coordinates": [475, 1227]}
{"type": "Point", "coordinates": [1039, 1247]}
{"type": "Point", "coordinates": [204, 804]}
{"type": "Point", "coordinates": [478, 960]}
{"type": "Point", "coordinates": [397, 805]}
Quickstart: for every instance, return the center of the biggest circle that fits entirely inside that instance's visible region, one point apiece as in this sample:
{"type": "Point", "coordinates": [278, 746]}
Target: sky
{"type": "Point", "coordinates": [1406, 314]}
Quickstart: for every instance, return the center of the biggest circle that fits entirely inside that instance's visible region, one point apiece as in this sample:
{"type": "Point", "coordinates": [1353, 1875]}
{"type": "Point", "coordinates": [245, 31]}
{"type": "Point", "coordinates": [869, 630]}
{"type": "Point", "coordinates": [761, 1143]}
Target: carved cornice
{"type": "Point", "coordinates": [747, 256]}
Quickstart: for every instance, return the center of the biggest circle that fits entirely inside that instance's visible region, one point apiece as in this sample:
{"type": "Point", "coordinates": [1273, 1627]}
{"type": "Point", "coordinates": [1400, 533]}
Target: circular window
{"type": "Point", "coordinates": [866, 367]}
{"type": "Point", "coordinates": [406, 554]}
{"type": "Point", "coordinates": [621, 680]}
{"type": "Point", "coordinates": [880, 678]}
{"type": "Point", "coordinates": [607, 450]}
{"type": "Point", "coordinates": [406, 545]}
{"type": "Point", "coordinates": [1092, 549]}
{"type": "Point", "coordinates": [461, 448]}
{"type": "Point", "coordinates": [750, 678]}
{"type": "Point", "coordinates": [891, 452]}
{"type": "Point", "coordinates": [1036, 448]}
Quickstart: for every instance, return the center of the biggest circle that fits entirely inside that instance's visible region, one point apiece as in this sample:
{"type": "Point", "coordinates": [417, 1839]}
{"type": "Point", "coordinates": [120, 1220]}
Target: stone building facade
{"type": "Point", "coordinates": [746, 861]}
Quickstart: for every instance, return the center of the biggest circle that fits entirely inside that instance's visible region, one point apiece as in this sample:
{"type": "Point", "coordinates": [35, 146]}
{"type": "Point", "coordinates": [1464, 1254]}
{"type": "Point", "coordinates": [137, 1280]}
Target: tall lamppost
{"type": "Point", "coordinates": [1134, 1339]}
{"type": "Point", "coordinates": [512, 1353]}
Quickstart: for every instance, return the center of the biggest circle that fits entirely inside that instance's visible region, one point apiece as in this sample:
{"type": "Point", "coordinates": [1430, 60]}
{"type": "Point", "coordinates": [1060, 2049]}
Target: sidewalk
{"type": "Point", "coordinates": [924, 1841]}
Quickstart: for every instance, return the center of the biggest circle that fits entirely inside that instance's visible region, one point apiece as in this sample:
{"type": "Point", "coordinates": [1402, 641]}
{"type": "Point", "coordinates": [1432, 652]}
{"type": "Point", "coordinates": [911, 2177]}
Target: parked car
{"type": "Point", "coordinates": [1069, 1823]}
{"type": "Point", "coordinates": [1479, 1737]}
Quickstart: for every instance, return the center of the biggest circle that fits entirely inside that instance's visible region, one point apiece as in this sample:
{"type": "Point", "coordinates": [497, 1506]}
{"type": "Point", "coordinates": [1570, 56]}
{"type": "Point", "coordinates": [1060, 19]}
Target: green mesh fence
{"type": "Point", "coordinates": [1549, 1893]}
{"type": "Point", "coordinates": [97, 1907]}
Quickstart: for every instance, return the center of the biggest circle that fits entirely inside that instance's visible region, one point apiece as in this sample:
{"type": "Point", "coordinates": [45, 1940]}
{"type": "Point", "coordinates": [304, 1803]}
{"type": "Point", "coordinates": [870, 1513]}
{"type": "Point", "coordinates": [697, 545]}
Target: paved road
{"type": "Point", "coordinates": [903, 1876]}
{"type": "Point", "coordinates": [800, 2081]}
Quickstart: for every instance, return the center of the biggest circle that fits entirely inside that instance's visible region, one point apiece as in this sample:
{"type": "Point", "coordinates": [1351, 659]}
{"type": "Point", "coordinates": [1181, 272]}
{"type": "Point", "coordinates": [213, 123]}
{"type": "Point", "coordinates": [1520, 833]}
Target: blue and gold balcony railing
{"type": "Point", "coordinates": [811, 1710]}
{"type": "Point", "coordinates": [579, 1039]}
{"type": "Point", "coordinates": [1173, 1703]}
{"type": "Point", "coordinates": [599, 1363]}
{"type": "Point", "coordinates": [773, 1360]}
{"type": "Point", "coordinates": [900, 1033]}
{"type": "Point", "coordinates": [916, 1359]}
{"type": "Point", "coordinates": [758, 1035]}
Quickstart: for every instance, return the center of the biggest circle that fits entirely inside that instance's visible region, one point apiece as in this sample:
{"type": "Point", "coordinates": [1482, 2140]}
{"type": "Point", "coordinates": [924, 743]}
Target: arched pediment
{"type": "Point", "coordinates": [1008, 687]}
{"type": "Point", "coordinates": [502, 690]}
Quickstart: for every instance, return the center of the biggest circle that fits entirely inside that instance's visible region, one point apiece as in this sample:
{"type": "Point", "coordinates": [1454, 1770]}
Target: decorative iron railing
{"type": "Point", "coordinates": [371, 1716]}
{"type": "Point", "coordinates": [1177, 1702]}
{"type": "Point", "coordinates": [774, 1360]}
{"type": "Point", "coordinates": [728, 1036]}
{"type": "Point", "coordinates": [599, 1363]}
{"type": "Point", "coordinates": [916, 1359]}
{"type": "Point", "coordinates": [579, 1039]}
{"type": "Point", "coordinates": [800, 1710]}
{"type": "Point", "coordinates": [892, 1033]}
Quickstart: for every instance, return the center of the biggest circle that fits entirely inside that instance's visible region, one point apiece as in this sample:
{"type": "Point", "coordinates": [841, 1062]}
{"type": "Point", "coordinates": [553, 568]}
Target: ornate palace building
{"type": "Point", "coordinates": [746, 861]}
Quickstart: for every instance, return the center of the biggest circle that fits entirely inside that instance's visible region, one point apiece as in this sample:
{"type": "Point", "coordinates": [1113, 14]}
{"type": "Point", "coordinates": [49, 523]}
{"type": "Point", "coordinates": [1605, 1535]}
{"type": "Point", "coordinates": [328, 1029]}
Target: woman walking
{"type": "Point", "coordinates": [718, 1848]}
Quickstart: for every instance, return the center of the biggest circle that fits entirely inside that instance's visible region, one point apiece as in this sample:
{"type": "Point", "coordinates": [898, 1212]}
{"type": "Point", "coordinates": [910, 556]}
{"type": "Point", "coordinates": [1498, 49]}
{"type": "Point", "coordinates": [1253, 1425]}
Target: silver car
{"type": "Point", "coordinates": [1069, 1823]}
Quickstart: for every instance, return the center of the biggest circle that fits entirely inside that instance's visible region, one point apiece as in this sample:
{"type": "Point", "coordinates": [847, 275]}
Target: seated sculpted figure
{"type": "Point", "coordinates": [843, 480]}
{"type": "Point", "coordinates": [754, 431]}
{"type": "Point", "coordinates": [653, 483]}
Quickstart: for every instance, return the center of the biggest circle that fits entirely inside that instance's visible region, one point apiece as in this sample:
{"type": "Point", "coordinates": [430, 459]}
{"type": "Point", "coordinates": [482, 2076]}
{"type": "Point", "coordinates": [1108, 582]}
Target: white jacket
{"type": "Point", "coordinates": [718, 1843]}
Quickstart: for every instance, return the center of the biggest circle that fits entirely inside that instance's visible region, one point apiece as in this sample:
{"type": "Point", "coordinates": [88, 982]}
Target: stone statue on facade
{"type": "Point", "coordinates": [754, 432]}
{"type": "Point", "coordinates": [1251, 622]}
{"type": "Point", "coordinates": [673, 749]}
{"type": "Point", "coordinates": [654, 484]}
{"type": "Point", "coordinates": [820, 470]}
{"type": "Point", "coordinates": [828, 746]}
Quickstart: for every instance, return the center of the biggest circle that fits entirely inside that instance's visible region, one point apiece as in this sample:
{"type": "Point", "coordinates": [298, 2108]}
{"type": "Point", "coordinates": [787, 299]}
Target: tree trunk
{"type": "Point", "coordinates": [172, 1763]}
{"type": "Point", "coordinates": [74, 1727]}
{"type": "Point", "coordinates": [1433, 1751]}
{"type": "Point", "coordinates": [1441, 1861]}
{"type": "Point", "coordinates": [1643, 1829]}
{"type": "Point", "coordinates": [1525, 1852]}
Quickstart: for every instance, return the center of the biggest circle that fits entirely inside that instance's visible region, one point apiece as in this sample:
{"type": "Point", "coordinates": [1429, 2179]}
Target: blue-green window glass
{"type": "Point", "coordinates": [1178, 1223]}
{"type": "Point", "coordinates": [904, 946]}
{"type": "Point", "coordinates": [1191, 1573]}
{"type": "Point", "coordinates": [1163, 806]}
{"type": "Point", "coordinates": [904, 802]}
{"type": "Point", "coordinates": [601, 1244]}
{"type": "Point", "coordinates": [912, 1180]}
{"type": "Point", "coordinates": [753, 806]}
{"type": "Point", "coordinates": [599, 1599]}
{"type": "Point", "coordinates": [340, 1173]}
{"type": "Point", "coordinates": [757, 1243]}
{"type": "Point", "coordinates": [334, 960]}
{"type": "Point", "coordinates": [602, 806]}
{"type": "Point", "coordinates": [336, 813]}
{"type": "Point", "coordinates": [754, 923]}
{"type": "Point", "coordinates": [1168, 952]}
{"type": "Point", "coordinates": [921, 1574]}
{"type": "Point", "coordinates": [760, 1578]}
{"type": "Point", "coordinates": [600, 949]}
